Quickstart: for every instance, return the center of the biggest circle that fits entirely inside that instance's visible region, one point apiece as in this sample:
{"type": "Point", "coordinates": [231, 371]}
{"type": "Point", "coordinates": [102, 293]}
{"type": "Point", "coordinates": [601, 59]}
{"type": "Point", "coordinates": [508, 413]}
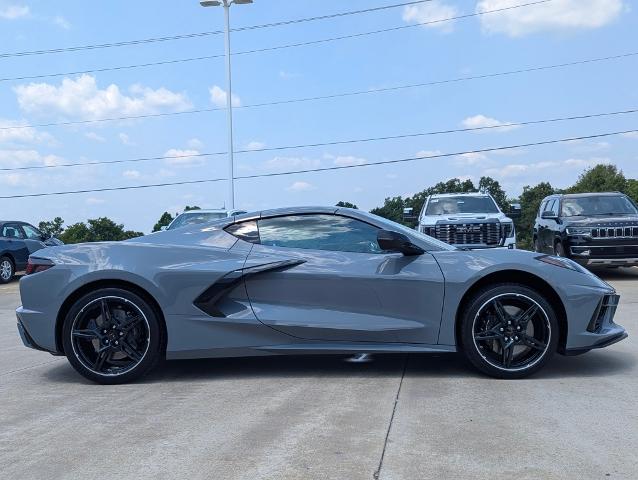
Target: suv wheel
{"type": "Point", "coordinates": [559, 250]}
{"type": "Point", "coordinates": [508, 331]}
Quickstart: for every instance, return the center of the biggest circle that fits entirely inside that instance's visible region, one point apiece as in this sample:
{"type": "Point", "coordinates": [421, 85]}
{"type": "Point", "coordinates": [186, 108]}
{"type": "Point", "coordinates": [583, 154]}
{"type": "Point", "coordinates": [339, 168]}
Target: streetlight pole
{"type": "Point", "coordinates": [229, 92]}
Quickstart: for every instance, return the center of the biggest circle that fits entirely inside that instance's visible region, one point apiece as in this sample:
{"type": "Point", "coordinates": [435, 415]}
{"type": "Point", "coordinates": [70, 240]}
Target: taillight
{"type": "Point", "coordinates": [37, 265]}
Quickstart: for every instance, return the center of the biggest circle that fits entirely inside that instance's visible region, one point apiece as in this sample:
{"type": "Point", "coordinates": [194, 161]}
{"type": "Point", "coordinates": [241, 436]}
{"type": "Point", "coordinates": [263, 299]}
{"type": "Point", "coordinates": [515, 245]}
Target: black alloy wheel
{"type": "Point", "coordinates": [509, 331]}
{"type": "Point", "coordinates": [112, 336]}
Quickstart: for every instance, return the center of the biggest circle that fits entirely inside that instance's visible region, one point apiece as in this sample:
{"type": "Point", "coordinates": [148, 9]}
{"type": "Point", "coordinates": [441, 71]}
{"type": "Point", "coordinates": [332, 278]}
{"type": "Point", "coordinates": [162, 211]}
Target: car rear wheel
{"type": "Point", "coordinates": [508, 331]}
{"type": "Point", "coordinates": [112, 336]}
{"type": "Point", "coordinates": [7, 270]}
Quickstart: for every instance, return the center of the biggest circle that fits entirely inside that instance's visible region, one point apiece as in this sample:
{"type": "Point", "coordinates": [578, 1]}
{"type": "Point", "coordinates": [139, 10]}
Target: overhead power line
{"type": "Point", "coordinates": [208, 33]}
{"type": "Point", "coordinates": [324, 169]}
{"type": "Point", "coordinates": [335, 95]}
{"type": "Point", "coordinates": [269, 49]}
{"type": "Point", "coordinates": [330, 143]}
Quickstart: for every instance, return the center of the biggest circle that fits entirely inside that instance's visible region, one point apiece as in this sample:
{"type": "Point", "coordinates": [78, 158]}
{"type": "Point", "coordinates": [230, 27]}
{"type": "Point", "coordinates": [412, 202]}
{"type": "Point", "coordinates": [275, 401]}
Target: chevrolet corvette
{"type": "Point", "coordinates": [307, 281]}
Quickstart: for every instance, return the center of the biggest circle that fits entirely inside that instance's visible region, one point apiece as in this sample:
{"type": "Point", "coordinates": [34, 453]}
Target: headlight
{"type": "Point", "coordinates": [508, 229]}
{"type": "Point", "coordinates": [578, 231]}
{"type": "Point", "coordinates": [563, 262]}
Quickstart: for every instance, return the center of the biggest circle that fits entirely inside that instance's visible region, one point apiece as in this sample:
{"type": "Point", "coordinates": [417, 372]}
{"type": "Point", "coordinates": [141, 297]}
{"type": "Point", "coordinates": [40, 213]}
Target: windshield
{"type": "Point", "coordinates": [602, 205]}
{"type": "Point", "coordinates": [192, 218]}
{"type": "Point", "coordinates": [461, 204]}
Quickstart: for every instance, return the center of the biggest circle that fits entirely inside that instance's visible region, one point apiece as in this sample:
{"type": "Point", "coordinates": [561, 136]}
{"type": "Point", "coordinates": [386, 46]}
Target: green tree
{"type": "Point", "coordinates": [530, 201]}
{"type": "Point", "coordinates": [632, 189]}
{"type": "Point", "coordinates": [493, 187]}
{"type": "Point", "coordinates": [97, 230]}
{"type": "Point", "coordinates": [53, 228]}
{"type": "Point", "coordinates": [601, 178]}
{"type": "Point", "coordinates": [347, 205]}
{"type": "Point", "coordinates": [164, 221]}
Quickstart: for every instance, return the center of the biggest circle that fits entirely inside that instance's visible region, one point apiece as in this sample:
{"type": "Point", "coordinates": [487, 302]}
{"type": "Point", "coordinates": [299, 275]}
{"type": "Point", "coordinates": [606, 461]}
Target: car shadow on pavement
{"type": "Point", "coordinates": [593, 364]}
{"type": "Point", "coordinates": [617, 274]}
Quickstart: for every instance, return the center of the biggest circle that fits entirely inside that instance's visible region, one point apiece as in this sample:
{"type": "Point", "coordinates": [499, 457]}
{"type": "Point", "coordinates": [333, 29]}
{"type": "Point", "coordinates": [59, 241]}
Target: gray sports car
{"type": "Point", "coordinates": [307, 281]}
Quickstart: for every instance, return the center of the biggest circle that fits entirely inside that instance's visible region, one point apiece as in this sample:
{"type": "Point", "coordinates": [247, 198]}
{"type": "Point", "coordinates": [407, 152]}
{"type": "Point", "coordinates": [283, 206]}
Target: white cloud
{"type": "Point", "coordinates": [83, 98]}
{"type": "Point", "coordinates": [489, 124]}
{"type": "Point", "coordinates": [254, 145]}
{"type": "Point", "coordinates": [287, 75]}
{"type": "Point", "coordinates": [345, 160]}
{"type": "Point", "coordinates": [433, 11]}
{"type": "Point", "coordinates": [195, 143]}
{"type": "Point", "coordinates": [218, 97]}
{"type": "Point", "coordinates": [125, 139]}
{"type": "Point", "coordinates": [427, 153]}
{"type": "Point", "coordinates": [517, 170]}
{"type": "Point", "coordinates": [95, 137]}
{"type": "Point", "coordinates": [27, 158]}
{"type": "Point", "coordinates": [13, 12]}
{"type": "Point", "coordinates": [300, 187]}
{"type": "Point", "coordinates": [555, 15]}
{"type": "Point", "coordinates": [292, 163]}
{"type": "Point", "coordinates": [472, 159]}
{"type": "Point", "coordinates": [183, 158]}
{"type": "Point", "coordinates": [94, 201]}
{"type": "Point", "coordinates": [22, 135]}
{"type": "Point", "coordinates": [62, 22]}
{"type": "Point", "coordinates": [131, 174]}
{"type": "Point", "coordinates": [630, 135]}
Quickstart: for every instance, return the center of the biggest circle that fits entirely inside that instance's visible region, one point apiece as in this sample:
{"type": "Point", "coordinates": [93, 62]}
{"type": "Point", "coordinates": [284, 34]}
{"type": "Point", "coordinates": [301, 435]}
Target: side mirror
{"type": "Point", "coordinates": [408, 214]}
{"type": "Point", "coordinates": [515, 210]}
{"type": "Point", "coordinates": [163, 227]}
{"type": "Point", "coordinates": [397, 242]}
{"type": "Point", "coordinates": [549, 215]}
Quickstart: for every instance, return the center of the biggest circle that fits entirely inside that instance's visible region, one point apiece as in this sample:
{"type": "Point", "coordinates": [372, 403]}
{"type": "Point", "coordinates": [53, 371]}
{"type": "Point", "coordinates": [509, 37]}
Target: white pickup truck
{"type": "Point", "coordinates": [471, 220]}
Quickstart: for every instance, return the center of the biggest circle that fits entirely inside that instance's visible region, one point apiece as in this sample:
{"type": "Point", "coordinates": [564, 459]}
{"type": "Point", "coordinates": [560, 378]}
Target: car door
{"type": "Point", "coordinates": [344, 288]}
{"type": "Point", "coordinates": [13, 237]}
{"type": "Point", "coordinates": [546, 233]}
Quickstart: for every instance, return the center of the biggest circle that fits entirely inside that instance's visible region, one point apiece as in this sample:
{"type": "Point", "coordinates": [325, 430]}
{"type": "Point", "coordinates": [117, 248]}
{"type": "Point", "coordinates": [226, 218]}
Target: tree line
{"type": "Point", "coordinates": [600, 178]}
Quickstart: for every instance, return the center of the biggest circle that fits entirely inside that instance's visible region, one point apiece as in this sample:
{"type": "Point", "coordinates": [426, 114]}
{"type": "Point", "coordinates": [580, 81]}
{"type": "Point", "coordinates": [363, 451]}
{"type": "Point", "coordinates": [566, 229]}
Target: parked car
{"type": "Point", "coordinates": [193, 217]}
{"type": "Point", "coordinates": [309, 280]}
{"type": "Point", "coordinates": [472, 220]}
{"type": "Point", "coordinates": [591, 228]}
{"type": "Point", "coordinates": [17, 241]}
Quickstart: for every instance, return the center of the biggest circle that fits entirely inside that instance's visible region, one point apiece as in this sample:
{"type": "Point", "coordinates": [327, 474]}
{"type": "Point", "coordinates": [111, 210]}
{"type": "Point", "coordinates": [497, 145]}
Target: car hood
{"type": "Point", "coordinates": [433, 219]}
{"type": "Point", "coordinates": [601, 220]}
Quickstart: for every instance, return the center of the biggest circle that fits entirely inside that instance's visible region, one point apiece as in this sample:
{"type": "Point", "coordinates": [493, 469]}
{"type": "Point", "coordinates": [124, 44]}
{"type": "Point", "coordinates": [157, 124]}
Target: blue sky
{"type": "Point", "coordinates": [551, 33]}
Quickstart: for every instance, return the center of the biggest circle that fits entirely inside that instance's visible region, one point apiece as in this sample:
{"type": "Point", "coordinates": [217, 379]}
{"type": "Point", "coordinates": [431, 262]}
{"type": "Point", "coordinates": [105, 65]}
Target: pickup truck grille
{"type": "Point", "coordinates": [615, 232]}
{"type": "Point", "coordinates": [467, 233]}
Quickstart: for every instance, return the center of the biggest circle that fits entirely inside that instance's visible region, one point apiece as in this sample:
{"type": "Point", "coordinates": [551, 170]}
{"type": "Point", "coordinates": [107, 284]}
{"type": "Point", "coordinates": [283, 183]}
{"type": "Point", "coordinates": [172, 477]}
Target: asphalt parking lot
{"type": "Point", "coordinates": [398, 417]}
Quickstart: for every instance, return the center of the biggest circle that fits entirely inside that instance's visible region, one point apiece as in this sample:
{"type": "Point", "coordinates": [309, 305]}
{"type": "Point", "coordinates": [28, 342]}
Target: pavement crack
{"type": "Point", "coordinates": [377, 473]}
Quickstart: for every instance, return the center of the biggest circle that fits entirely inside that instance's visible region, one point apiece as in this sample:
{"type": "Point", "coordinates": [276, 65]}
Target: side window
{"type": "Point", "coordinates": [319, 232]}
{"type": "Point", "coordinates": [556, 206]}
{"type": "Point", "coordinates": [246, 231]}
{"type": "Point", "coordinates": [32, 233]}
{"type": "Point", "coordinates": [12, 230]}
{"type": "Point", "coordinates": [543, 207]}
{"type": "Point", "coordinates": [550, 206]}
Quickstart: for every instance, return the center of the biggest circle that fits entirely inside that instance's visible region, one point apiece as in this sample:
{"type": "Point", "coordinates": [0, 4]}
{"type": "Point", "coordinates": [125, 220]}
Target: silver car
{"type": "Point", "coordinates": [307, 281]}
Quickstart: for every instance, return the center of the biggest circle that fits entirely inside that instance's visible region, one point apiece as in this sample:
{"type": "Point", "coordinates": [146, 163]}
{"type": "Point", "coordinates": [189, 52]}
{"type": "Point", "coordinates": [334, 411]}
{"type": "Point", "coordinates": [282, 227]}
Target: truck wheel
{"type": "Point", "coordinates": [7, 270]}
{"type": "Point", "coordinates": [559, 250]}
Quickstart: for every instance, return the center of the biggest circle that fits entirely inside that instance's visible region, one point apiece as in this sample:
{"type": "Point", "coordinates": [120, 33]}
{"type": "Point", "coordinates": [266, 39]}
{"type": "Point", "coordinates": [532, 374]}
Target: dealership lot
{"type": "Point", "coordinates": [419, 416]}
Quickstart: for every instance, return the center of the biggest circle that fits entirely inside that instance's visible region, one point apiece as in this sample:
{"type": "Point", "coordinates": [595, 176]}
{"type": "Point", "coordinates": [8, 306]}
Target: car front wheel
{"type": "Point", "coordinates": [112, 336]}
{"type": "Point", "coordinates": [6, 270]}
{"type": "Point", "coordinates": [508, 331]}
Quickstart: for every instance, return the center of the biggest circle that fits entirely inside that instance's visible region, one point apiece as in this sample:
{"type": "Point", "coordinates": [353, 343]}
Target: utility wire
{"type": "Point", "coordinates": [331, 143]}
{"type": "Point", "coordinates": [325, 169]}
{"type": "Point", "coordinates": [205, 34]}
{"type": "Point", "coordinates": [335, 95]}
{"type": "Point", "coordinates": [268, 49]}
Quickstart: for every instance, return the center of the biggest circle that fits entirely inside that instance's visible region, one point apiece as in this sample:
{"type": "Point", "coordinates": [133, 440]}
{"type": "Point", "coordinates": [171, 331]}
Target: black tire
{"type": "Point", "coordinates": [131, 336]}
{"type": "Point", "coordinates": [559, 250]}
{"type": "Point", "coordinates": [537, 246]}
{"type": "Point", "coordinates": [484, 333]}
{"type": "Point", "coordinates": [7, 270]}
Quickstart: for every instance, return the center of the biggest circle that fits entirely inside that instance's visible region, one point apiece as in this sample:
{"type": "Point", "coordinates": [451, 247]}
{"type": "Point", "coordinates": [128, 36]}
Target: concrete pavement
{"type": "Point", "coordinates": [415, 417]}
